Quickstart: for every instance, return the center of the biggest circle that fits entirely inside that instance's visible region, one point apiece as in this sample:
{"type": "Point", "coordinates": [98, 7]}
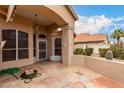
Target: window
{"type": "Point", "coordinates": [22, 39]}
{"type": "Point", "coordinates": [42, 36]}
{"type": "Point", "coordinates": [58, 46]}
{"type": "Point", "coordinates": [9, 49]}
{"type": "Point", "coordinates": [22, 45]}
{"type": "Point", "coordinates": [34, 45]}
{"type": "Point", "coordinates": [16, 46]}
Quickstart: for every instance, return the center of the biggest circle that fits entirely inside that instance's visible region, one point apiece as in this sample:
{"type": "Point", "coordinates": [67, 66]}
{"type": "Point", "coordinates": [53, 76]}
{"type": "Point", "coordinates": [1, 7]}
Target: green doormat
{"type": "Point", "coordinates": [10, 71]}
{"type": "Point", "coordinates": [28, 78]}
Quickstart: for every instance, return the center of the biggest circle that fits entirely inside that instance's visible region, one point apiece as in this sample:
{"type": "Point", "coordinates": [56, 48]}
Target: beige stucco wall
{"type": "Point", "coordinates": [67, 45]}
{"type": "Point", "coordinates": [51, 36]}
{"type": "Point", "coordinates": [113, 69]}
{"type": "Point", "coordinates": [20, 23]}
{"type": "Point", "coordinates": [95, 45]}
{"type": "Point", "coordinates": [78, 60]}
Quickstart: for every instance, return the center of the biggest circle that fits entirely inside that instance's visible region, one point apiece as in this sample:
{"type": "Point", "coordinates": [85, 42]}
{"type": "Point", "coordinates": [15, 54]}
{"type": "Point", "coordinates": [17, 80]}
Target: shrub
{"type": "Point", "coordinates": [109, 55]}
{"type": "Point", "coordinates": [115, 51]}
{"type": "Point", "coordinates": [102, 51]}
{"type": "Point", "coordinates": [121, 56]}
{"type": "Point", "coordinates": [91, 50]}
{"type": "Point", "coordinates": [88, 51]}
{"type": "Point", "coordinates": [78, 51]}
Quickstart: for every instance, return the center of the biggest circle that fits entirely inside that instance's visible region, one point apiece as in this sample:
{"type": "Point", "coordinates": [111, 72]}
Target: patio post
{"type": "Point", "coordinates": [67, 45]}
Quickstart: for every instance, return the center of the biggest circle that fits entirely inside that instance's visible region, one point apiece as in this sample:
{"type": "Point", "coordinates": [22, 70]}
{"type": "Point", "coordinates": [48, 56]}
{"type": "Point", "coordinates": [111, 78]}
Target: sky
{"type": "Point", "coordinates": [99, 19]}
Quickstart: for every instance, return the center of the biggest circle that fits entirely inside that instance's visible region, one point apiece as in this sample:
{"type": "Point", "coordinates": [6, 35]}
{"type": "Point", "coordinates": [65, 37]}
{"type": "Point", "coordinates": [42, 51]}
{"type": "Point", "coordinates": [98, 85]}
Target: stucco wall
{"type": "Point", "coordinates": [110, 68]}
{"type": "Point", "coordinates": [67, 45]}
{"type": "Point", "coordinates": [19, 23]}
{"type": "Point", "coordinates": [78, 60]}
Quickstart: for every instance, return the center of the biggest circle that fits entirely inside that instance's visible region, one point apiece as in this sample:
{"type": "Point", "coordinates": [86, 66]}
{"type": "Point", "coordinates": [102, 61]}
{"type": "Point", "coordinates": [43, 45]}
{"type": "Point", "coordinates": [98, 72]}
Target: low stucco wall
{"type": "Point", "coordinates": [110, 68]}
{"type": "Point", "coordinates": [78, 60]}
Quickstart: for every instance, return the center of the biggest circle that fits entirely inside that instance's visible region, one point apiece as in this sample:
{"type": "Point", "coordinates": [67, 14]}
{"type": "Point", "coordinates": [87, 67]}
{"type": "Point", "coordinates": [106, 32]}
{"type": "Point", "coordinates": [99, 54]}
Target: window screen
{"type": "Point", "coordinates": [58, 46]}
{"type": "Point", "coordinates": [34, 45]}
{"type": "Point", "coordinates": [9, 49]}
{"type": "Point", "coordinates": [22, 45]}
{"type": "Point", "coordinates": [14, 38]}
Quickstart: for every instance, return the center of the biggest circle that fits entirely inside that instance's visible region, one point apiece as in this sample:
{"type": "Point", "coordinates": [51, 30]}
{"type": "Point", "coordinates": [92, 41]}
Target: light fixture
{"type": "Point", "coordinates": [59, 29]}
{"type": "Point", "coordinates": [36, 25]}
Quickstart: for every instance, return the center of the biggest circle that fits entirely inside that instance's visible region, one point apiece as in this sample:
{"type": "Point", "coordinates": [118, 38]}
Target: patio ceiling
{"type": "Point", "coordinates": [3, 11]}
{"type": "Point", "coordinates": [46, 17]}
{"type": "Point", "coordinates": [42, 20]}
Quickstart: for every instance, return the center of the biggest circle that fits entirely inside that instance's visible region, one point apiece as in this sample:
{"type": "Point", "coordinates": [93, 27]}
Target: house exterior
{"type": "Point", "coordinates": [95, 41]}
{"type": "Point", "coordinates": [35, 33]}
{"type": "Point", "coordinates": [115, 44]}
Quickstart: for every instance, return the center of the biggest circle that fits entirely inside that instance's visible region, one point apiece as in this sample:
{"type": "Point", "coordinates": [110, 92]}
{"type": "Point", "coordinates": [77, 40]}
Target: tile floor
{"type": "Point", "coordinates": [57, 75]}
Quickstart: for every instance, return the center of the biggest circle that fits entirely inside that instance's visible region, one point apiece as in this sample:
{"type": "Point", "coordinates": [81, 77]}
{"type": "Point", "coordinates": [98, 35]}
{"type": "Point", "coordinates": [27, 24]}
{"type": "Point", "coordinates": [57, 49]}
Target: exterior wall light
{"type": "Point", "coordinates": [59, 29]}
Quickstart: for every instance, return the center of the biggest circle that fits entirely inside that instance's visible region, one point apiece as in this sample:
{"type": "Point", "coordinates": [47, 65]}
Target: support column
{"type": "Point", "coordinates": [67, 45]}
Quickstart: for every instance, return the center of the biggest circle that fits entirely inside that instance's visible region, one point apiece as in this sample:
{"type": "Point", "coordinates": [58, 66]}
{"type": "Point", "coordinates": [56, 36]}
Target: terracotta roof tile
{"type": "Point", "coordinates": [90, 38]}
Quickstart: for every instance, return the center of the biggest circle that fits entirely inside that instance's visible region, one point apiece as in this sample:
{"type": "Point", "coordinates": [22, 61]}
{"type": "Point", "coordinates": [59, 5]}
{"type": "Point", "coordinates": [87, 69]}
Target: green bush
{"type": "Point", "coordinates": [88, 51]}
{"type": "Point", "coordinates": [91, 49]}
{"type": "Point", "coordinates": [121, 53]}
{"type": "Point", "coordinates": [102, 51]}
{"type": "Point", "coordinates": [121, 56]}
{"type": "Point", "coordinates": [116, 51]}
{"type": "Point", "coordinates": [78, 51]}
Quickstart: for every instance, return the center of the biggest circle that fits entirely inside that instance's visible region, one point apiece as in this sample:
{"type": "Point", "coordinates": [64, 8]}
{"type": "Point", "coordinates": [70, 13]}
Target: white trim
{"type": "Point", "coordinates": [16, 45]}
{"type": "Point", "coordinates": [38, 59]}
{"type": "Point", "coordinates": [56, 58]}
{"type": "Point", "coordinates": [0, 45]}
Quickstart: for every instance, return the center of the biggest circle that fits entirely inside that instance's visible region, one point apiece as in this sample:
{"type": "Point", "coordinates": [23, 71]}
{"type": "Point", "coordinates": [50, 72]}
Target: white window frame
{"type": "Point", "coordinates": [22, 48]}
{"type": "Point", "coordinates": [0, 45]}
{"type": "Point", "coordinates": [9, 48]}
{"type": "Point", "coordinates": [16, 45]}
{"type": "Point", "coordinates": [57, 47]}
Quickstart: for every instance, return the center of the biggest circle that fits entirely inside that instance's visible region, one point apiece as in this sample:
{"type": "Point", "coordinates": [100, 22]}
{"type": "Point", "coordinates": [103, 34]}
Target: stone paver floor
{"type": "Point", "coordinates": [57, 75]}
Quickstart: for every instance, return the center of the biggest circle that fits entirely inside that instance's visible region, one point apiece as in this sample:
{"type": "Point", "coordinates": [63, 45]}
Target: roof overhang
{"type": "Point", "coordinates": [72, 12]}
{"type": "Point", "coordinates": [90, 41]}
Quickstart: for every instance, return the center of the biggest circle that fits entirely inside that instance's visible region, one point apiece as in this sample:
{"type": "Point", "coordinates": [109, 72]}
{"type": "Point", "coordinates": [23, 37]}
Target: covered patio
{"type": "Point", "coordinates": [37, 36]}
{"type": "Point", "coordinates": [33, 33]}
{"type": "Point", "coordinates": [57, 75]}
